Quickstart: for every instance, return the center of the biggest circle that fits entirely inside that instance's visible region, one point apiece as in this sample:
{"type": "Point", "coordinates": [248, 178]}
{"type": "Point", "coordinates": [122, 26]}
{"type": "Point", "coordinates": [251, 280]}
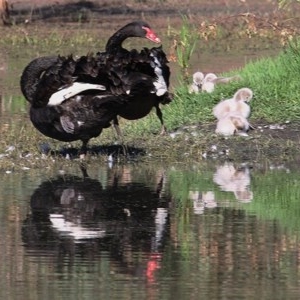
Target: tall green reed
{"type": "Point", "coordinates": [185, 43]}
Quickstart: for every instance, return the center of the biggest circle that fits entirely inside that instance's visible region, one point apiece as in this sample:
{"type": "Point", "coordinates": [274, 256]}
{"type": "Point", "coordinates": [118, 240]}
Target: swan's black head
{"type": "Point", "coordinates": [140, 29]}
{"type": "Point", "coordinates": [133, 29]}
{"type": "Point", "coordinates": [148, 32]}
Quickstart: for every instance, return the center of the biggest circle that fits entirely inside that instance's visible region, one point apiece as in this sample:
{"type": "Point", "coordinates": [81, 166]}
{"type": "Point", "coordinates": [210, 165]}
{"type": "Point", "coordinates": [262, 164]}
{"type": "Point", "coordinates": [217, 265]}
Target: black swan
{"type": "Point", "coordinates": [74, 99]}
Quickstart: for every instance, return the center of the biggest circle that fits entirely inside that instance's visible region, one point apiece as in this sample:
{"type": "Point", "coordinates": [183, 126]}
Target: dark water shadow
{"type": "Point", "coordinates": [85, 11]}
{"type": "Point", "coordinates": [81, 11]}
{"type": "Point", "coordinates": [54, 11]}
{"type": "Point", "coordinates": [113, 151]}
{"type": "Point", "coordinates": [73, 215]}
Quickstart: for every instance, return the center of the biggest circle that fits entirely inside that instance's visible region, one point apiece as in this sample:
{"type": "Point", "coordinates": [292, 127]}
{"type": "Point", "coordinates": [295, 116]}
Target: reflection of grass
{"type": "Point", "coordinates": [276, 196]}
{"type": "Point", "coordinates": [276, 201]}
{"type": "Point", "coordinates": [229, 242]}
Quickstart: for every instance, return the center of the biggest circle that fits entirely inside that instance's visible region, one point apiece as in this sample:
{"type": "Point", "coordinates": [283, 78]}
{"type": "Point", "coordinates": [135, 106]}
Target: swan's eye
{"type": "Point", "coordinates": [150, 35]}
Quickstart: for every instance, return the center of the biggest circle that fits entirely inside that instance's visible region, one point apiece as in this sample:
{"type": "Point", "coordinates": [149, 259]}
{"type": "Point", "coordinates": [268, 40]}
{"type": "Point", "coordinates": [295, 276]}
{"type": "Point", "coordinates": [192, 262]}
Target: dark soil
{"type": "Point", "coordinates": [272, 142]}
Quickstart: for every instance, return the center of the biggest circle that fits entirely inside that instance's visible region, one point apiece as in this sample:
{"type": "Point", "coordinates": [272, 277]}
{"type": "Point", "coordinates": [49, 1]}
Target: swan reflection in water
{"type": "Point", "coordinates": [72, 215]}
{"type": "Point", "coordinates": [202, 200]}
{"type": "Point", "coordinates": [230, 179]}
{"type": "Point", "coordinates": [236, 180]}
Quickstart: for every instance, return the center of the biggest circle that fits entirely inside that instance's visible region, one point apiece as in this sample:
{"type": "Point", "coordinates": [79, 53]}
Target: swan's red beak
{"type": "Point", "coordinates": [150, 35]}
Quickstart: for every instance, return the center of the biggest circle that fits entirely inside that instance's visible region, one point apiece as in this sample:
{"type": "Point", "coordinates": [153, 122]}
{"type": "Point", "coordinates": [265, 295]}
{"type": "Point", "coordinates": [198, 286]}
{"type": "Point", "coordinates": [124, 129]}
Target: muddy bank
{"type": "Point", "coordinates": [272, 142]}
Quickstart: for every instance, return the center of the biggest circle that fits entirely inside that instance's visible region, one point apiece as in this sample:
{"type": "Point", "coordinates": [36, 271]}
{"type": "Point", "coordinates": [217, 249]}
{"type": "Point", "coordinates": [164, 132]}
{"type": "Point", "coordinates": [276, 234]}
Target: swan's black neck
{"type": "Point", "coordinates": [115, 42]}
{"type": "Point", "coordinates": [134, 29]}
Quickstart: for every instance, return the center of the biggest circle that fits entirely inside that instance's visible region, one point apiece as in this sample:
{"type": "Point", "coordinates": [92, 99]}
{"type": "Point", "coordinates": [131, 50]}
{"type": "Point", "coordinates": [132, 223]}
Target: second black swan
{"type": "Point", "coordinates": [74, 99]}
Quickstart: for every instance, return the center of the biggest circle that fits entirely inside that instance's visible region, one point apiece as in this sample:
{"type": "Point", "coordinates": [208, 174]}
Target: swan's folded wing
{"type": "Point", "coordinates": [73, 90]}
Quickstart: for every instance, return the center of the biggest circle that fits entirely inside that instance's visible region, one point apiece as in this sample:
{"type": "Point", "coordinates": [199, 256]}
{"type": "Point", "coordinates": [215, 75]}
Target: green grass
{"type": "Point", "coordinates": [274, 81]}
{"type": "Point", "coordinates": [276, 86]}
{"type": "Point", "coordinates": [35, 41]}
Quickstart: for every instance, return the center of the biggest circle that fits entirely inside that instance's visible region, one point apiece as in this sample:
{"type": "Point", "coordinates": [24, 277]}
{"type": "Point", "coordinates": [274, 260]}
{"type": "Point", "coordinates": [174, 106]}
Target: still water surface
{"type": "Point", "coordinates": [138, 231]}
